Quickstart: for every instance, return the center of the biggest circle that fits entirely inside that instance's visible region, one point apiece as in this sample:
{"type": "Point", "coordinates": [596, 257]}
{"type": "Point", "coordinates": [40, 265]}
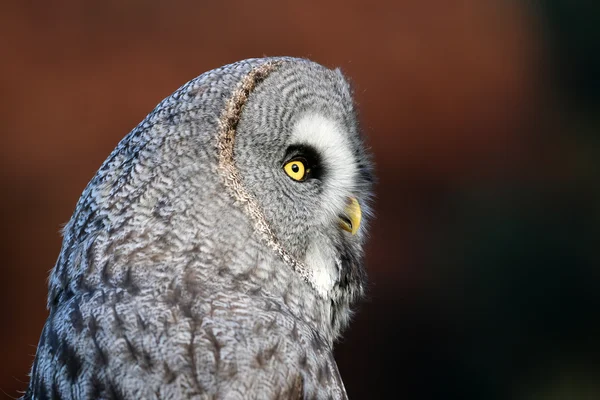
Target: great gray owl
{"type": "Point", "coordinates": [218, 250]}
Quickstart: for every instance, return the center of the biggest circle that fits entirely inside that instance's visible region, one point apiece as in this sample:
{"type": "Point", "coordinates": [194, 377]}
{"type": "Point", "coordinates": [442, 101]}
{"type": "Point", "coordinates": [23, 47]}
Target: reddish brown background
{"type": "Point", "coordinates": [483, 254]}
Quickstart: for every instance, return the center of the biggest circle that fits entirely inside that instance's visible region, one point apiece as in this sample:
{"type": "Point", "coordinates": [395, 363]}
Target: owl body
{"type": "Point", "coordinates": [196, 264]}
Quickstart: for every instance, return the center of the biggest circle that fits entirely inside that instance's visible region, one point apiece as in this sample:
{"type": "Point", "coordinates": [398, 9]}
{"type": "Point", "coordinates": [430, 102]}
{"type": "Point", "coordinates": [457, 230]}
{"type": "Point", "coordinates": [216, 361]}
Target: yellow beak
{"type": "Point", "coordinates": [350, 221]}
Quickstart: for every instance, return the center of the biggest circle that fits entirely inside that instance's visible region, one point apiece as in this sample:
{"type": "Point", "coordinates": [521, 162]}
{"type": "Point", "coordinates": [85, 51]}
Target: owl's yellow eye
{"type": "Point", "coordinates": [296, 169]}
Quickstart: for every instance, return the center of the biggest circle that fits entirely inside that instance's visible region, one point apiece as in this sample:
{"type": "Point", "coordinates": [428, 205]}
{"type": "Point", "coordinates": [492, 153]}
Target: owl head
{"type": "Point", "coordinates": [300, 155]}
{"type": "Point", "coordinates": [251, 177]}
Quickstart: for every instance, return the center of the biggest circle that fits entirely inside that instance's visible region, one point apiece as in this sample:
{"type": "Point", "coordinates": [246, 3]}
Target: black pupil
{"type": "Point", "coordinates": [295, 168]}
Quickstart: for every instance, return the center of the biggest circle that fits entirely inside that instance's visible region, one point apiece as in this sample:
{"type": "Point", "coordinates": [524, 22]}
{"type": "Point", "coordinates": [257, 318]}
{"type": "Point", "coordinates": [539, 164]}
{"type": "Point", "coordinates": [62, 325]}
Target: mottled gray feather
{"type": "Point", "coordinates": [164, 290]}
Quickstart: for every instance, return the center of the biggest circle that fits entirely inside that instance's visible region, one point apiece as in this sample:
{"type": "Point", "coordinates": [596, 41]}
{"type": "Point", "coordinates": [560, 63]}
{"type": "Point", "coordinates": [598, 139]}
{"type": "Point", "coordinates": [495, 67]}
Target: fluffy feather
{"type": "Point", "coordinates": [184, 276]}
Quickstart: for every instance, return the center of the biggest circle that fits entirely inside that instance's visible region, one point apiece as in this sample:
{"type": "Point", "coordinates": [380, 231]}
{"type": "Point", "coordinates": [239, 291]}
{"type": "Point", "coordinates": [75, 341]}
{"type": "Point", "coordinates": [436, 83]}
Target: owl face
{"type": "Point", "coordinates": [299, 151]}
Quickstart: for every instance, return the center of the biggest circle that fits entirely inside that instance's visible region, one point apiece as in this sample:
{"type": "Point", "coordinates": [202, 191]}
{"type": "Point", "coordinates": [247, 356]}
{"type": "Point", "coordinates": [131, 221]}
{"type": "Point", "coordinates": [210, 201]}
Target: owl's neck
{"type": "Point", "coordinates": [190, 262]}
{"type": "Point", "coordinates": [272, 278]}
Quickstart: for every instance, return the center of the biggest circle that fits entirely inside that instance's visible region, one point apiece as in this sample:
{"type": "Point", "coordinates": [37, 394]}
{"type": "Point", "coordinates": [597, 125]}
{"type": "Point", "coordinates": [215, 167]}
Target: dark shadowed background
{"type": "Point", "coordinates": [484, 119]}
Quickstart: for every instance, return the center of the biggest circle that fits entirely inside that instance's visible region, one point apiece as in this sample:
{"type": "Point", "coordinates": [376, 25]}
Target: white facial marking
{"type": "Point", "coordinates": [331, 142]}
{"type": "Point", "coordinates": [328, 138]}
{"type": "Point", "coordinates": [321, 261]}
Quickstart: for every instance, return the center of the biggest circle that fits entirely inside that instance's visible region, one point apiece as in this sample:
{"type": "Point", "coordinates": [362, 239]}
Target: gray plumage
{"type": "Point", "coordinates": [194, 267]}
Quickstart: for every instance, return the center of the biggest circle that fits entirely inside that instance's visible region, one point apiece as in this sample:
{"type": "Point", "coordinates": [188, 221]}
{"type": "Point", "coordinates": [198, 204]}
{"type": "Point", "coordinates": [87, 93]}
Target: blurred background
{"type": "Point", "coordinates": [484, 119]}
